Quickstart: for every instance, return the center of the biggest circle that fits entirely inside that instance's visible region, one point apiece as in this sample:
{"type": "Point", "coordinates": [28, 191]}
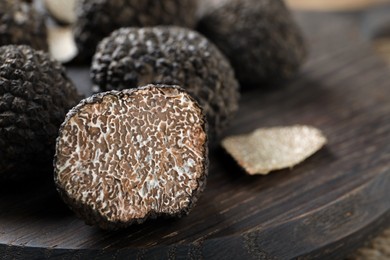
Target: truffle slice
{"type": "Point", "coordinates": [122, 157]}
{"type": "Point", "coordinates": [275, 148]}
{"type": "Point", "coordinates": [21, 24]}
{"type": "Point", "coordinates": [259, 37]}
{"type": "Point", "coordinates": [96, 19]}
{"type": "Point", "coordinates": [35, 95]}
{"type": "Point", "coordinates": [130, 57]}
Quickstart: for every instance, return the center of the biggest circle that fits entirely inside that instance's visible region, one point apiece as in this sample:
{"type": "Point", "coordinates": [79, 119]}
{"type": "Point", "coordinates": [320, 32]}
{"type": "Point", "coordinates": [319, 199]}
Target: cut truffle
{"type": "Point", "coordinates": [21, 24]}
{"type": "Point", "coordinates": [259, 37]}
{"type": "Point", "coordinates": [125, 156]}
{"type": "Point", "coordinates": [96, 19]}
{"type": "Point", "coordinates": [62, 11]}
{"type": "Point", "coordinates": [35, 95]}
{"type": "Point", "coordinates": [130, 57]}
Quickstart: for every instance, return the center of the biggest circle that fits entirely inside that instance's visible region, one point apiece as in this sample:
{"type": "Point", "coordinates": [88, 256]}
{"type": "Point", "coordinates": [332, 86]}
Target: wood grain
{"type": "Point", "coordinates": [323, 208]}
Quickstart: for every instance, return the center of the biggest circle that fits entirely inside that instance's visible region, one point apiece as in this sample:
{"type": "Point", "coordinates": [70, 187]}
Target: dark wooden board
{"type": "Point", "coordinates": [325, 207]}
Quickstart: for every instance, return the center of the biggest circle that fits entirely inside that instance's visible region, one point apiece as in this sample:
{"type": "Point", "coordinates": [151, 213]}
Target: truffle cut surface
{"type": "Point", "coordinates": [125, 156]}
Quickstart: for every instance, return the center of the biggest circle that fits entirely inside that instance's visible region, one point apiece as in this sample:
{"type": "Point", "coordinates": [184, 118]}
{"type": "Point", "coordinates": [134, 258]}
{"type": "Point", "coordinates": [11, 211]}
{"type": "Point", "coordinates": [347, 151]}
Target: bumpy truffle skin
{"type": "Point", "coordinates": [131, 57]}
{"type": "Point", "coordinates": [259, 37]}
{"type": "Point", "coordinates": [21, 24]}
{"type": "Point", "coordinates": [126, 156]}
{"type": "Point", "coordinates": [96, 19]}
{"type": "Point", "coordinates": [35, 95]}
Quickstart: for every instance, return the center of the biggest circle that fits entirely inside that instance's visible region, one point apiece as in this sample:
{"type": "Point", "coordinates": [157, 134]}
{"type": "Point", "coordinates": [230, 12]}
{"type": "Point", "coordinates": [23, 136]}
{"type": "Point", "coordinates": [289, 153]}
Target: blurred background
{"type": "Point", "coordinates": [335, 5]}
{"type": "Point", "coordinates": [373, 16]}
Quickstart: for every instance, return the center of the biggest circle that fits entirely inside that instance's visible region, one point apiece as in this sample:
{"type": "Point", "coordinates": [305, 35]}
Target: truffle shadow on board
{"type": "Point", "coordinates": [96, 19]}
{"type": "Point", "coordinates": [131, 57]}
{"type": "Point", "coordinates": [21, 24]}
{"type": "Point", "coordinates": [259, 37]}
{"type": "Point", "coordinates": [125, 156]}
{"type": "Point", "coordinates": [35, 95]}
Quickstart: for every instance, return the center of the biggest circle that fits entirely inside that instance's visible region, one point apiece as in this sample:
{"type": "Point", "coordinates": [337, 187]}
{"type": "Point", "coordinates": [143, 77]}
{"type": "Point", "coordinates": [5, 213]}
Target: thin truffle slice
{"type": "Point", "coordinates": [259, 37]}
{"type": "Point", "coordinates": [270, 149]}
{"type": "Point", "coordinates": [125, 156]}
{"type": "Point", "coordinates": [21, 24]}
{"type": "Point", "coordinates": [96, 19]}
{"type": "Point", "coordinates": [130, 57]}
{"type": "Point", "coordinates": [35, 95]}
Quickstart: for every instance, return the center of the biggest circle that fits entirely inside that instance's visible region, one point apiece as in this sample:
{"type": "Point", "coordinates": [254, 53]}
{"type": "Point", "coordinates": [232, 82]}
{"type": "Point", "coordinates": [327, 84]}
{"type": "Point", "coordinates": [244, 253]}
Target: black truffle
{"type": "Point", "coordinates": [131, 57]}
{"type": "Point", "coordinates": [97, 19]}
{"type": "Point", "coordinates": [125, 156]}
{"type": "Point", "coordinates": [35, 95]}
{"type": "Point", "coordinates": [20, 23]}
{"type": "Point", "coordinates": [259, 37]}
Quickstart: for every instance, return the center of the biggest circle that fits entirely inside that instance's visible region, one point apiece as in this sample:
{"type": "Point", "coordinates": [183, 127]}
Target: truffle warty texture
{"type": "Point", "coordinates": [20, 23]}
{"type": "Point", "coordinates": [96, 19]}
{"type": "Point", "coordinates": [169, 55]}
{"type": "Point", "coordinates": [259, 37]}
{"type": "Point", "coordinates": [35, 95]}
{"type": "Point", "coordinates": [124, 156]}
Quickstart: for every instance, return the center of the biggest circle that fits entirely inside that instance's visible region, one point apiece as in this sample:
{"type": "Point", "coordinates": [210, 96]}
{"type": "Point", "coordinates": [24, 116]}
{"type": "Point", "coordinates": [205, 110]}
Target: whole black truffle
{"type": "Point", "coordinates": [35, 95]}
{"type": "Point", "coordinates": [96, 19]}
{"type": "Point", "coordinates": [125, 156]}
{"type": "Point", "coordinates": [259, 37]}
{"type": "Point", "coordinates": [131, 57]}
{"type": "Point", "coordinates": [20, 23]}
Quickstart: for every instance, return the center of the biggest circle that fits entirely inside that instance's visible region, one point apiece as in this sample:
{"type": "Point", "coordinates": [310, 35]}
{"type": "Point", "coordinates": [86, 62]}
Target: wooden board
{"type": "Point", "coordinates": [325, 207]}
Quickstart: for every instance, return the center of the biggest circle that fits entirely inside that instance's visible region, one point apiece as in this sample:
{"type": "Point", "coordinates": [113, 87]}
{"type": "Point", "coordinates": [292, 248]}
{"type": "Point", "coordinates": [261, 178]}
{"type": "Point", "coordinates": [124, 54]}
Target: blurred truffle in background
{"type": "Point", "coordinates": [96, 19]}
{"type": "Point", "coordinates": [20, 23]}
{"type": "Point", "coordinates": [259, 37]}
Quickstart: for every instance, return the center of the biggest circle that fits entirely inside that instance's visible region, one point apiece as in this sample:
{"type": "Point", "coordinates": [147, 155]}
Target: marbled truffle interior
{"type": "Point", "coordinates": [124, 156]}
